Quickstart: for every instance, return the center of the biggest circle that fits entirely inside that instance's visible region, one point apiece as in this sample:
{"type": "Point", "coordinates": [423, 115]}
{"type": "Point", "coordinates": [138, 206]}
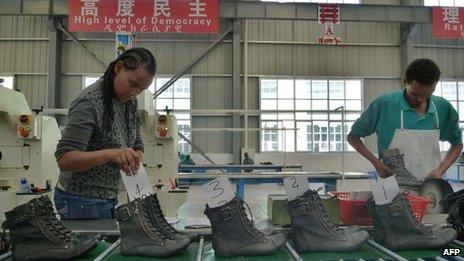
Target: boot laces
{"type": "Point", "coordinates": [150, 224]}
{"type": "Point", "coordinates": [157, 213]}
{"type": "Point", "coordinates": [321, 208]}
{"type": "Point", "coordinates": [249, 222]}
{"type": "Point", "coordinates": [53, 224]}
{"type": "Point", "coordinates": [411, 215]}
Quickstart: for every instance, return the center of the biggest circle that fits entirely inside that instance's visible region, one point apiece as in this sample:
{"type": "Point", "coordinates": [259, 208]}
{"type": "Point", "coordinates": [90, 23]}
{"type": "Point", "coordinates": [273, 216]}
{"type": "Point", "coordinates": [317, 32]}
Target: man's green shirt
{"type": "Point", "coordinates": [384, 116]}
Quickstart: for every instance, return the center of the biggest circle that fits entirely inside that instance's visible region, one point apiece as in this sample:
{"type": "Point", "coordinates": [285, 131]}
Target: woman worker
{"type": "Point", "coordinates": [102, 137]}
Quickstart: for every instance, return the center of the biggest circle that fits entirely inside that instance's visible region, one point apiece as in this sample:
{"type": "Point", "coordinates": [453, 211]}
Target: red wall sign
{"type": "Point", "coordinates": [328, 15]}
{"type": "Point", "coordinates": [162, 16]}
{"type": "Point", "coordinates": [448, 22]}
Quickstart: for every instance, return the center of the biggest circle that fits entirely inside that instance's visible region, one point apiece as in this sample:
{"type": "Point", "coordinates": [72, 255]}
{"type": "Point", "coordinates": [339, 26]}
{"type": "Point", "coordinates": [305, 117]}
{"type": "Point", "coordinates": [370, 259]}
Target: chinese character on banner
{"type": "Point", "coordinates": [451, 15]}
{"type": "Point", "coordinates": [161, 7]}
{"type": "Point", "coordinates": [328, 15]}
{"type": "Point", "coordinates": [125, 8]}
{"type": "Point", "coordinates": [89, 8]}
{"type": "Point", "coordinates": [448, 22]}
{"type": "Point", "coordinates": [197, 8]}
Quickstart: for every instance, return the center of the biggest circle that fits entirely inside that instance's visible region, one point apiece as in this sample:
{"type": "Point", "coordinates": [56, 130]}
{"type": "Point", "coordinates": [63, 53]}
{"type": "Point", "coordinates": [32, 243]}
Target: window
{"type": "Point", "coordinates": [299, 114]}
{"type": "Point", "coordinates": [444, 2]}
{"type": "Point", "coordinates": [317, 1]}
{"type": "Point", "coordinates": [6, 81]}
{"type": "Point", "coordinates": [453, 91]}
{"type": "Point", "coordinates": [176, 97]}
{"type": "Point", "coordinates": [88, 80]}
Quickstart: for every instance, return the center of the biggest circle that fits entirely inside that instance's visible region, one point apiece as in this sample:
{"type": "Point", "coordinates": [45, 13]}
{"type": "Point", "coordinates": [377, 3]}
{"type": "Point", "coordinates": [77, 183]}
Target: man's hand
{"type": "Point", "coordinates": [435, 174]}
{"type": "Point", "coordinates": [382, 170]}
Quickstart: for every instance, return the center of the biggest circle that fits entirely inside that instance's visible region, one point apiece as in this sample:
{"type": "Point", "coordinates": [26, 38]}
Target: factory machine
{"type": "Point", "coordinates": [27, 145]}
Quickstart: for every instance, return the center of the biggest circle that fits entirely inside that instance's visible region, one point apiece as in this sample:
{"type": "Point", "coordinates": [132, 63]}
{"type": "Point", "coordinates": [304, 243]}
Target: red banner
{"type": "Point", "coordinates": [160, 16]}
{"type": "Point", "coordinates": [328, 15]}
{"type": "Point", "coordinates": [448, 22]}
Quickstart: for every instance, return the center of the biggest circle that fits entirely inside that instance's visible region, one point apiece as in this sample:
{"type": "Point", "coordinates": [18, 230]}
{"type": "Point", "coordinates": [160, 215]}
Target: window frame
{"type": "Point", "coordinates": [444, 146]}
{"type": "Point", "coordinates": [311, 120]}
{"type": "Point", "coordinates": [85, 76]}
{"type": "Point", "coordinates": [8, 76]}
{"type": "Point", "coordinates": [182, 143]}
{"type": "Point", "coordinates": [439, 5]}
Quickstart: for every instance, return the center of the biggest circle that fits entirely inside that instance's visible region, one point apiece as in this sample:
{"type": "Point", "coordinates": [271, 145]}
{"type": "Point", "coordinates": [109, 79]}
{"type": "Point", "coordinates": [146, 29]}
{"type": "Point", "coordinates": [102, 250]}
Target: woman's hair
{"type": "Point", "coordinates": [131, 59]}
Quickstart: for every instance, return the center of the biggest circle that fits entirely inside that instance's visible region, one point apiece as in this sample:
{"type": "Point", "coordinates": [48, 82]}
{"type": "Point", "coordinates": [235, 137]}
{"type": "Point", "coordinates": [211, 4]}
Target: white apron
{"type": "Point", "coordinates": [421, 148]}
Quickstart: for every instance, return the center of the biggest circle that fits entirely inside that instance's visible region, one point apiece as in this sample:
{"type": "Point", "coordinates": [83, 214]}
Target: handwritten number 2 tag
{"type": "Point", "coordinates": [296, 186]}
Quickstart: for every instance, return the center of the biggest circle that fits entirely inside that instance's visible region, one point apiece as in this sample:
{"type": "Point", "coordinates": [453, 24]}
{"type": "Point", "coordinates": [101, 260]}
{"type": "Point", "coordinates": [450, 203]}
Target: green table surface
{"type": "Point", "coordinates": [366, 252]}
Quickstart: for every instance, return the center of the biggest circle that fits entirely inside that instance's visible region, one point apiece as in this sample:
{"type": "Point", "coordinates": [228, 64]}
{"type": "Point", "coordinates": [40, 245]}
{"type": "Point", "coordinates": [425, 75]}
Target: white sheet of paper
{"type": "Point", "coordinates": [137, 185]}
{"type": "Point", "coordinates": [385, 190]}
{"type": "Point", "coordinates": [296, 186]}
{"type": "Point", "coordinates": [218, 192]}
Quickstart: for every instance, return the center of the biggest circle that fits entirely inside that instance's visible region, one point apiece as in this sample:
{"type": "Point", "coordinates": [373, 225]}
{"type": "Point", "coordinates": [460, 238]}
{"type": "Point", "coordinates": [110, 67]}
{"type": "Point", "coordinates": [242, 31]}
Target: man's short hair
{"type": "Point", "coordinates": [423, 71]}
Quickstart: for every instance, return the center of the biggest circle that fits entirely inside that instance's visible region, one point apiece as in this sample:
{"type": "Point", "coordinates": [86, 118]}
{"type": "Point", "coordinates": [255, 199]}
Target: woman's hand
{"type": "Point", "coordinates": [126, 158]}
{"type": "Point", "coordinates": [140, 154]}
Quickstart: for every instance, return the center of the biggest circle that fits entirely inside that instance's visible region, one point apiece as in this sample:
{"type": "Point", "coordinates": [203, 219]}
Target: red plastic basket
{"type": "Point", "coordinates": [354, 212]}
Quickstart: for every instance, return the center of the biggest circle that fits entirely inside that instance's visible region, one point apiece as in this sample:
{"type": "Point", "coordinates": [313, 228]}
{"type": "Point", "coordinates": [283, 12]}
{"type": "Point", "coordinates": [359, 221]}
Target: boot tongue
{"type": "Point", "coordinates": [317, 201]}
{"type": "Point", "coordinates": [248, 222]}
{"type": "Point", "coordinates": [158, 213]}
{"type": "Point", "coordinates": [145, 208]}
{"type": "Point", "coordinates": [310, 192]}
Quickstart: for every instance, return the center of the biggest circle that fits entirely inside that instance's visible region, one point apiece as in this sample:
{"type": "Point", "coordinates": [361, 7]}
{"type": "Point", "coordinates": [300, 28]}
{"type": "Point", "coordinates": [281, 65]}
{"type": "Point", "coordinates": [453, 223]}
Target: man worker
{"type": "Point", "coordinates": [188, 160]}
{"type": "Point", "coordinates": [247, 161]}
{"type": "Point", "coordinates": [413, 121]}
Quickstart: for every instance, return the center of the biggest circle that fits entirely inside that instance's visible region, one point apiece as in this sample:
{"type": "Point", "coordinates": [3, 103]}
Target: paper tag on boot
{"type": "Point", "coordinates": [296, 186]}
{"type": "Point", "coordinates": [137, 185]}
{"type": "Point", "coordinates": [218, 192]}
{"type": "Point", "coordinates": [385, 190]}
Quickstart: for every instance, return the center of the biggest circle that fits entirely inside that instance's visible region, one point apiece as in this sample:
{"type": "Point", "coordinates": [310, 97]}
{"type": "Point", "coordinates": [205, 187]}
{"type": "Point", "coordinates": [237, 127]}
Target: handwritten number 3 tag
{"type": "Point", "coordinates": [218, 192]}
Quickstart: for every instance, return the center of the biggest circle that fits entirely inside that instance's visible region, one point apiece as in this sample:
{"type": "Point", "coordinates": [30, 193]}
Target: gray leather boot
{"type": "Point", "coordinates": [378, 232]}
{"type": "Point", "coordinates": [36, 233]}
{"type": "Point", "coordinates": [141, 236]}
{"type": "Point", "coordinates": [313, 231]}
{"type": "Point", "coordinates": [157, 215]}
{"type": "Point", "coordinates": [403, 231]}
{"type": "Point", "coordinates": [394, 160]}
{"type": "Point", "coordinates": [234, 234]}
{"type": "Point", "coordinates": [456, 217]}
